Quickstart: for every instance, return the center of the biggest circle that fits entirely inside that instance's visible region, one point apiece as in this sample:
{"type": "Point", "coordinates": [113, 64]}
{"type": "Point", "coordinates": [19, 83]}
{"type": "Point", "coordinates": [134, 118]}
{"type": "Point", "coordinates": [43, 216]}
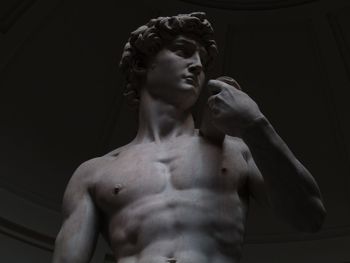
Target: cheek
{"type": "Point", "coordinates": [164, 72]}
{"type": "Point", "coordinates": [160, 79]}
{"type": "Point", "coordinates": [201, 80]}
{"type": "Point", "coordinates": [171, 70]}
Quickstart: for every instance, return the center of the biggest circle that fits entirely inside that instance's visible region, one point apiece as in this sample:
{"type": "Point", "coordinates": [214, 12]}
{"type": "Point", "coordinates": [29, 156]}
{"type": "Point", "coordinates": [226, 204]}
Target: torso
{"type": "Point", "coordinates": [182, 201]}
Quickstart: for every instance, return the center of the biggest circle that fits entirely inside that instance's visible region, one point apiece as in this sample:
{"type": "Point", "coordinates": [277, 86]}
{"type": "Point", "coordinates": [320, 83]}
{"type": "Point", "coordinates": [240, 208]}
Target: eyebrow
{"type": "Point", "coordinates": [193, 43]}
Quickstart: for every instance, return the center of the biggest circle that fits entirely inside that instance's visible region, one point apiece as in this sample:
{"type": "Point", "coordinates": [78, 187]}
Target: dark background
{"type": "Point", "coordinates": [61, 103]}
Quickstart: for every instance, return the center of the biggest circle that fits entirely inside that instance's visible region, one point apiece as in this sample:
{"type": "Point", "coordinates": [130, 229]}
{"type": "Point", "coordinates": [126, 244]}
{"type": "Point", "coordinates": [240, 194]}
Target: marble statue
{"type": "Point", "coordinates": [176, 194]}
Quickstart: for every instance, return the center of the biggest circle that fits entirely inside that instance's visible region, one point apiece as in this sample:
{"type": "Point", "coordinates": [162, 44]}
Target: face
{"type": "Point", "coordinates": [176, 73]}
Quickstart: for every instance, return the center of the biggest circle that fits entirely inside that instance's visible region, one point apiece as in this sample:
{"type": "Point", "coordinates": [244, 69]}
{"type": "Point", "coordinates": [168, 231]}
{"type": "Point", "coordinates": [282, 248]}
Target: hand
{"type": "Point", "coordinates": [232, 110]}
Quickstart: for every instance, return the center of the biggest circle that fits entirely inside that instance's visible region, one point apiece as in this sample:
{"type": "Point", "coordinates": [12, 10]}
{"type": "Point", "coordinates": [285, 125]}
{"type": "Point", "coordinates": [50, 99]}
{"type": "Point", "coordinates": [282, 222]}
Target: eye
{"type": "Point", "coordinates": [183, 50]}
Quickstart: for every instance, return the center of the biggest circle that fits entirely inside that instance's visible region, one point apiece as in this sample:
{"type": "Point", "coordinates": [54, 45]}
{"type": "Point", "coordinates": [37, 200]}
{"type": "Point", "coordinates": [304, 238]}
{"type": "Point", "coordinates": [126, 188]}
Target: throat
{"type": "Point", "coordinates": [164, 129]}
{"type": "Point", "coordinates": [159, 121]}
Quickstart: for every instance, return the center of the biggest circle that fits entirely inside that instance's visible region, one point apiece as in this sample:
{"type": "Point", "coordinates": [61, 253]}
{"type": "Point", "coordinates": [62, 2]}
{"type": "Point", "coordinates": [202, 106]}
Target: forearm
{"type": "Point", "coordinates": [292, 190]}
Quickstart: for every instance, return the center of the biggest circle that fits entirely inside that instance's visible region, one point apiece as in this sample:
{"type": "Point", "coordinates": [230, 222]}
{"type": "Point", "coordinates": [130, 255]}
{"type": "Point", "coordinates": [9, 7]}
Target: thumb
{"type": "Point", "coordinates": [215, 86]}
{"type": "Point", "coordinates": [230, 81]}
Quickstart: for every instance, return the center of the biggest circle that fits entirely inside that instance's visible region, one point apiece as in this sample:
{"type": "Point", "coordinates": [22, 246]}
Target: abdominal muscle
{"type": "Point", "coordinates": [185, 226]}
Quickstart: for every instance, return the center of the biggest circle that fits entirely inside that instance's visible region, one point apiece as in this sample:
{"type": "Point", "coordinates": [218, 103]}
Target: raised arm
{"type": "Point", "coordinates": [290, 188]}
{"type": "Point", "coordinates": [76, 240]}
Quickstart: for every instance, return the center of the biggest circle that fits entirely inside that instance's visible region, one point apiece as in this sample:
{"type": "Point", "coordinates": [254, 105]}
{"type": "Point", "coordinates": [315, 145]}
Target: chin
{"type": "Point", "coordinates": [185, 96]}
{"type": "Point", "coordinates": [190, 89]}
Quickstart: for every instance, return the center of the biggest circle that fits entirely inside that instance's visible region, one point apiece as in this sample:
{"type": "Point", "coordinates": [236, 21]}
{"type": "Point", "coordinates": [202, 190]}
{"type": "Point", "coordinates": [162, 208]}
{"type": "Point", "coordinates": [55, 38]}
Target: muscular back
{"type": "Point", "coordinates": [183, 200]}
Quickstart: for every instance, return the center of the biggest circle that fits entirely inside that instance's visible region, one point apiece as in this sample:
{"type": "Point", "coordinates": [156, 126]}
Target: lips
{"type": "Point", "coordinates": [191, 79]}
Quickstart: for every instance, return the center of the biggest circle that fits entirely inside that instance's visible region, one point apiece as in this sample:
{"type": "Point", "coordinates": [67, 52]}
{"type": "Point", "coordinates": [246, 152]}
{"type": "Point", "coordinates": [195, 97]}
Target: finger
{"type": "Point", "coordinates": [215, 86]}
{"type": "Point", "coordinates": [230, 81]}
{"type": "Point", "coordinates": [211, 101]}
{"type": "Point", "coordinates": [214, 102]}
{"type": "Point", "coordinates": [212, 105]}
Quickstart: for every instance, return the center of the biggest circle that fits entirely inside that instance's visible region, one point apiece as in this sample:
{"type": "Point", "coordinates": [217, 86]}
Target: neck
{"type": "Point", "coordinates": [160, 121]}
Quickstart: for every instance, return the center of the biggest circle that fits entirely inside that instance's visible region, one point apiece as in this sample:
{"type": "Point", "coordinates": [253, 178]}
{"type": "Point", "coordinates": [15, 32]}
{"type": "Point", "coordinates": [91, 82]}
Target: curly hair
{"type": "Point", "coordinates": [148, 39]}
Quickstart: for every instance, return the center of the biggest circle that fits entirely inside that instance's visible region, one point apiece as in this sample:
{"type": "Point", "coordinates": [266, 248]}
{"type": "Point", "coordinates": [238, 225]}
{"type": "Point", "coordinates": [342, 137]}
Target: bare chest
{"type": "Point", "coordinates": [148, 170]}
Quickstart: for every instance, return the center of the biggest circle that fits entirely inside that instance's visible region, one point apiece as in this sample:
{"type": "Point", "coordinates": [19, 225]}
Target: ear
{"type": "Point", "coordinates": [139, 67]}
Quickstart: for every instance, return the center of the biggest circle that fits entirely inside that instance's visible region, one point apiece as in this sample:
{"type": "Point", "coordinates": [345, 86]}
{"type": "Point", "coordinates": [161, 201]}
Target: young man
{"type": "Point", "coordinates": [173, 194]}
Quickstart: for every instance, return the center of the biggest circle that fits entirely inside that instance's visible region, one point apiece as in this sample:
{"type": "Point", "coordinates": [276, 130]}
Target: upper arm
{"type": "Point", "coordinates": [79, 231]}
{"type": "Point", "coordinates": [256, 185]}
{"type": "Point", "coordinates": [304, 211]}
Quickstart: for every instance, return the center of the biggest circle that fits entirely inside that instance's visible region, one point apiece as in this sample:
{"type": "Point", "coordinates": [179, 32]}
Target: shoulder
{"type": "Point", "coordinates": [84, 174]}
{"type": "Point", "coordinates": [88, 171]}
{"type": "Point", "coordinates": [117, 151]}
{"type": "Point", "coordinates": [84, 177]}
{"type": "Point", "coordinates": [89, 167]}
{"type": "Point", "coordinates": [92, 167]}
{"type": "Point", "coordinates": [236, 145]}
{"type": "Point", "coordinates": [79, 187]}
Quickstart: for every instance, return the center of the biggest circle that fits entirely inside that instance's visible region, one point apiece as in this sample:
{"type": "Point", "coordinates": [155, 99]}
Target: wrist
{"type": "Point", "coordinates": [255, 129]}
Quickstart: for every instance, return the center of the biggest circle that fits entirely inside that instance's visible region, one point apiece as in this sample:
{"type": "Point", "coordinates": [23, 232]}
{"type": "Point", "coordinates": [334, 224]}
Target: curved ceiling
{"type": "Point", "coordinates": [249, 4]}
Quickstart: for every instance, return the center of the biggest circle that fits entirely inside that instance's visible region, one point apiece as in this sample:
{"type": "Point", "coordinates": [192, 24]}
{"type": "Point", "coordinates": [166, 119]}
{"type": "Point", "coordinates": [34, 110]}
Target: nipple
{"type": "Point", "coordinates": [117, 188]}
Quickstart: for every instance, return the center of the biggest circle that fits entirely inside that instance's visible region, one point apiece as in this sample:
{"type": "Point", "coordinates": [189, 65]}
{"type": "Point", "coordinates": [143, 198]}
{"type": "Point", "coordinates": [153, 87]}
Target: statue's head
{"type": "Point", "coordinates": [146, 42]}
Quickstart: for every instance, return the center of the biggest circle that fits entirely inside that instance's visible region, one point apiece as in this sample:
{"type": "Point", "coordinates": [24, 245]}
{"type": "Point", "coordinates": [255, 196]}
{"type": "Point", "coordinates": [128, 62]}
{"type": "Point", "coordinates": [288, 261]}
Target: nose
{"type": "Point", "coordinates": [195, 66]}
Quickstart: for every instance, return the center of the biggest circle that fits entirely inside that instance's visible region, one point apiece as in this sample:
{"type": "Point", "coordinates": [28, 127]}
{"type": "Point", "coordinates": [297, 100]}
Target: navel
{"type": "Point", "coordinates": [171, 260]}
